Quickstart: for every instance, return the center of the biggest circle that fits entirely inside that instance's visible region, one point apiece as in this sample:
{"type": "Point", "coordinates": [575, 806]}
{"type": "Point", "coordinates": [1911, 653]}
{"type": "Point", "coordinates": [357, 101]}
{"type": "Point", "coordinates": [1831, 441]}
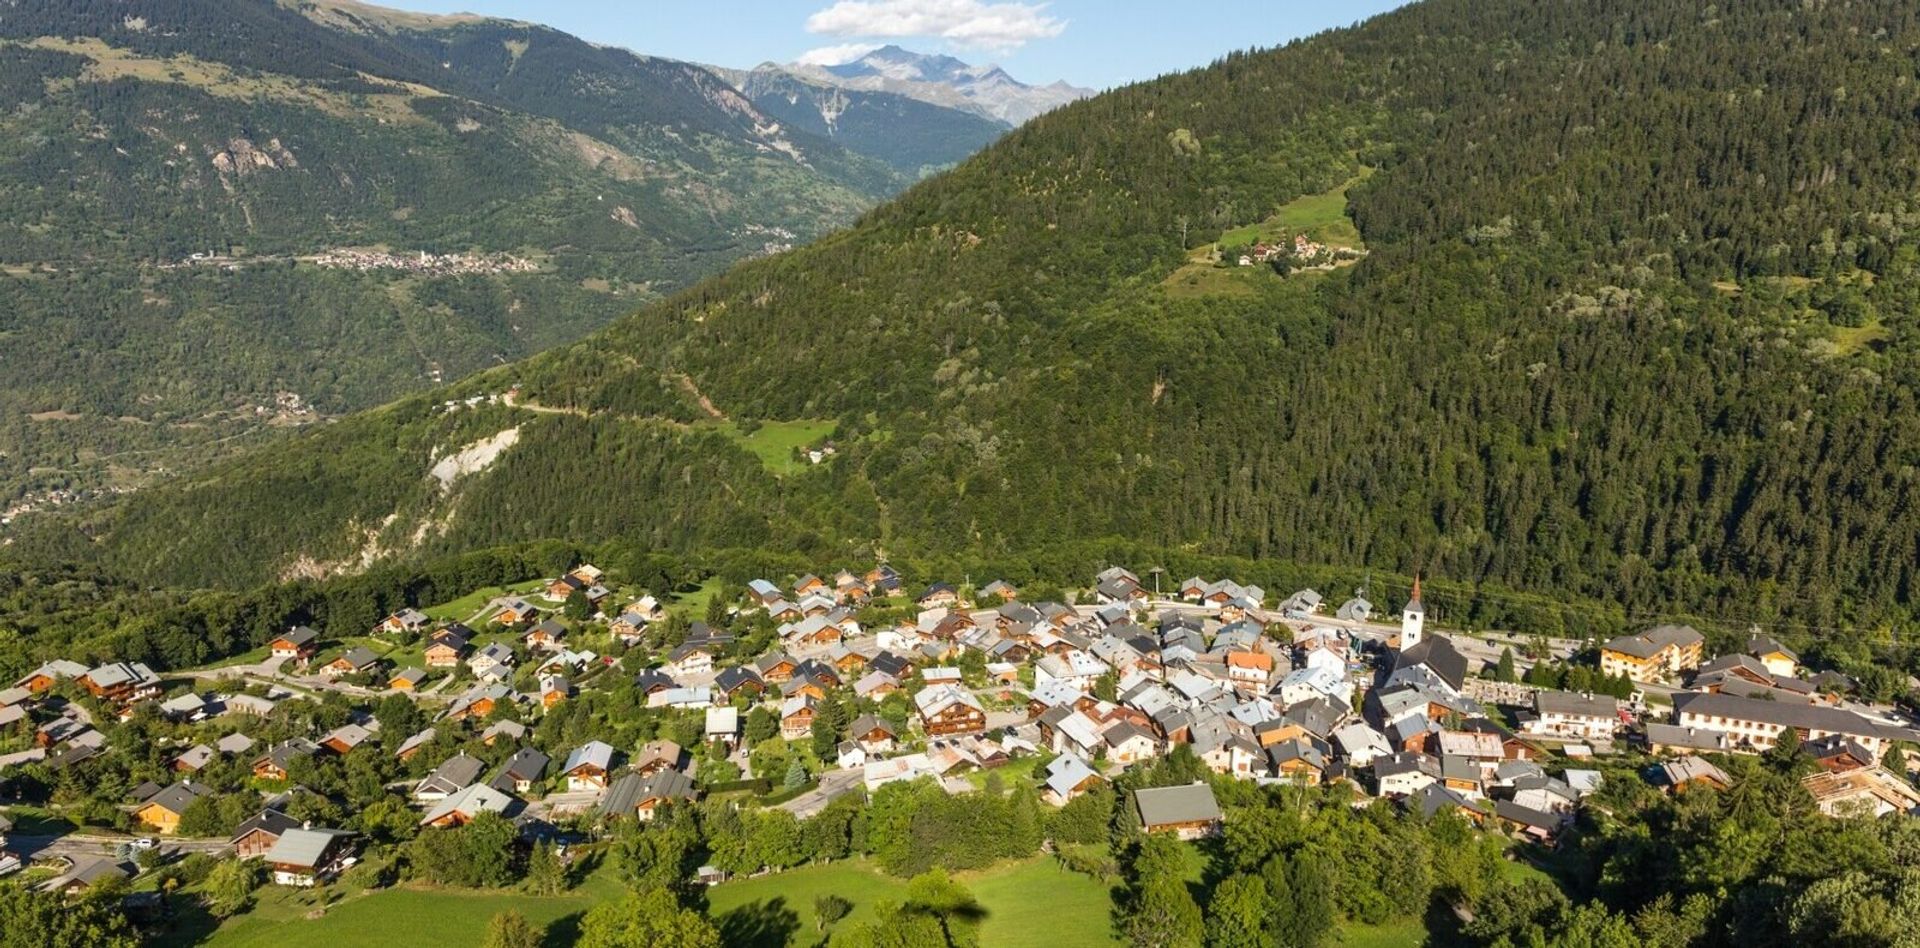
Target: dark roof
{"type": "Point", "coordinates": [298, 635]}
{"type": "Point", "coordinates": [269, 821]}
{"type": "Point", "coordinates": [1526, 815]}
{"type": "Point", "coordinates": [1437, 654]}
{"type": "Point", "coordinates": [1166, 806]}
{"type": "Point", "coordinates": [631, 790]}
{"type": "Point", "coordinates": [1787, 714]}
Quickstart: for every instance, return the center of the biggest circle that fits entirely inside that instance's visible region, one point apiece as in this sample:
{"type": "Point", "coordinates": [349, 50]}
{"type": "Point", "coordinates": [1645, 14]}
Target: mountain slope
{"type": "Point", "coordinates": [911, 135]}
{"type": "Point", "coordinates": [945, 81]}
{"type": "Point", "coordinates": [1634, 322]}
{"type": "Point", "coordinates": [570, 181]}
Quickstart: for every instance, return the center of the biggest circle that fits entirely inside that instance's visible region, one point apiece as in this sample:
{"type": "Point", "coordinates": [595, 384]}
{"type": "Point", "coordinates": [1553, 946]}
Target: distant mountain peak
{"type": "Point", "coordinates": [946, 81]}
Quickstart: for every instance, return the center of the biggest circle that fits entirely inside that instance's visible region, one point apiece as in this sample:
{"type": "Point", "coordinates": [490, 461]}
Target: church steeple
{"type": "Point", "coordinates": [1413, 618]}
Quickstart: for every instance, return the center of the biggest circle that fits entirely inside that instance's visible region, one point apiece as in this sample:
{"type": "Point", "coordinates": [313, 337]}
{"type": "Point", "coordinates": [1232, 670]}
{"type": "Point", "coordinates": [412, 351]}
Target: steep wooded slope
{"type": "Point", "coordinates": [1636, 323]}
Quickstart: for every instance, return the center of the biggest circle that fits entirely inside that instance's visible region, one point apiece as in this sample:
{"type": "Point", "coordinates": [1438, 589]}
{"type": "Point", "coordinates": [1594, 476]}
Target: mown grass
{"type": "Point", "coordinates": [774, 442]}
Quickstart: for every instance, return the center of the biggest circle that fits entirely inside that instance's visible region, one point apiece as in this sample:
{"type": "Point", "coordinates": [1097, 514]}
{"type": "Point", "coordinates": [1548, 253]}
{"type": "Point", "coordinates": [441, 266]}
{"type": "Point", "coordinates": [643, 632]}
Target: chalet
{"type": "Point", "coordinates": [1754, 724]}
{"type": "Point", "coordinates": [122, 683]}
{"type": "Point", "coordinates": [546, 637]}
{"type": "Point", "coordinates": [1356, 609]}
{"type": "Point", "coordinates": [49, 674]}
{"type": "Point", "coordinates": [406, 679]}
{"type": "Point", "coordinates": [1066, 777]}
{"type": "Point", "coordinates": [88, 872]}
{"type": "Point", "coordinates": [194, 759]}
{"type": "Point", "coordinates": [775, 667]}
{"type": "Point", "coordinates": [256, 836]}
{"type": "Point", "coordinates": [1867, 792]}
{"type": "Point", "coordinates": [187, 707]}
{"type": "Point", "coordinates": [478, 701]}
{"type": "Point", "coordinates": [1778, 659]}
{"type": "Point", "coordinates": [643, 796]}
{"type": "Point", "coordinates": [1584, 717]}
{"type": "Point", "coordinates": [689, 659]}
{"type": "Point", "coordinates": [1653, 655]}
{"type": "Point", "coordinates": [873, 733]}
{"type": "Point", "coordinates": [343, 739]}
{"type": "Point", "coordinates": [589, 767]}
{"type": "Point", "coordinates": [297, 643]}
{"type": "Point", "coordinates": [404, 622]}
{"type": "Point", "coordinates": [1404, 774]}
{"type": "Point", "coordinates": [1528, 822]}
{"type": "Point", "coordinates": [796, 716]}
{"type": "Point", "coordinates": [846, 661]}
{"type": "Point", "coordinates": [1188, 812]}
{"type": "Point", "coordinates": [306, 857]}
{"type": "Point", "coordinates": [629, 626]}
{"type": "Point", "coordinates": [1436, 798]}
{"type": "Point", "coordinates": [554, 689]}
{"type": "Point", "coordinates": [652, 681]}
{"type": "Point", "coordinates": [447, 647]}
{"type": "Point", "coordinates": [763, 592]}
{"type": "Point", "coordinates": [1127, 743]}
{"type": "Point", "coordinates": [739, 680]}
{"type": "Point", "coordinates": [809, 585]}
{"type": "Point", "coordinates": [884, 580]}
{"type": "Point", "coordinates": [356, 661]}
{"type": "Point", "coordinates": [506, 728]}
{"type": "Point", "coordinates": [950, 709]}
{"type": "Point", "coordinates": [722, 725]}
{"type": "Point", "coordinates": [875, 685]}
{"type": "Point", "coordinates": [1297, 761]}
{"type": "Point", "coordinates": [521, 771]}
{"type": "Point", "coordinates": [462, 806]}
{"type": "Point", "coordinates": [454, 774]}
{"type": "Point", "coordinates": [1000, 589]}
{"type": "Point", "coordinates": [494, 661]}
{"type": "Point", "coordinates": [162, 811]}
{"type": "Point", "coordinates": [1838, 754]}
{"type": "Point", "coordinates": [1689, 772]}
{"type": "Point", "coordinates": [660, 755]}
{"type": "Point", "coordinates": [560, 589]}
{"type": "Point", "coordinates": [412, 745]}
{"type": "Point", "coordinates": [515, 611]}
{"type": "Point", "coordinates": [939, 595]}
{"type": "Point", "coordinates": [278, 760]}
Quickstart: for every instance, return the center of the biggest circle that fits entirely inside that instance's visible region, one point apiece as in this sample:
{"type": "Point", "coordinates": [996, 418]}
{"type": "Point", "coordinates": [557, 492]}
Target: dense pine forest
{"type": "Point", "coordinates": [1634, 326]}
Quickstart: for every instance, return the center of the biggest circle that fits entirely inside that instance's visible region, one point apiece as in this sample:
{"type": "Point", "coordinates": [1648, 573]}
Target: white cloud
{"type": "Point", "coordinates": [996, 26]}
{"type": "Point", "coordinates": [836, 55]}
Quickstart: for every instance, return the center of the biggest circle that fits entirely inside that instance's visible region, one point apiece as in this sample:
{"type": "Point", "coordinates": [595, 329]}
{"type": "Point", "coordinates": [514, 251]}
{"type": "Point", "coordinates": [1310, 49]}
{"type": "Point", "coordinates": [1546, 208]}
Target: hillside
{"type": "Point", "coordinates": [1633, 323]}
{"type": "Point", "coordinates": [211, 213]}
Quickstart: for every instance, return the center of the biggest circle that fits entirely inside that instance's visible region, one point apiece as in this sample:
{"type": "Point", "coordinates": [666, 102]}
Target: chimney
{"type": "Point", "coordinates": [307, 825]}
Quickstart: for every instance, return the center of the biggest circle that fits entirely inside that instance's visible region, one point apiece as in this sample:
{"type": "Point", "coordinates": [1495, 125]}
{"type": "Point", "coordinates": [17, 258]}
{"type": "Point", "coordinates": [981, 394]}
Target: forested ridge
{"type": "Point", "coordinates": [135, 135]}
{"type": "Point", "coordinates": [1635, 325]}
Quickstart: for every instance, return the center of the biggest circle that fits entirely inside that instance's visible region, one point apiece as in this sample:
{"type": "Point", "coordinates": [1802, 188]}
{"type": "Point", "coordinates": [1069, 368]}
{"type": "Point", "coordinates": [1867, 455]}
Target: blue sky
{"type": "Point", "coordinates": [1097, 43]}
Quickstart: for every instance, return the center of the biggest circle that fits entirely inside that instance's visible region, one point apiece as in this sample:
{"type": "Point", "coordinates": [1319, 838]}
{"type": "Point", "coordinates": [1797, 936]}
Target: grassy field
{"type": "Point", "coordinates": [1322, 217]}
{"type": "Point", "coordinates": [1031, 902]}
{"type": "Point", "coordinates": [1407, 933]}
{"type": "Point", "coordinates": [419, 917]}
{"type": "Point", "coordinates": [465, 606]}
{"type": "Point", "coordinates": [775, 441]}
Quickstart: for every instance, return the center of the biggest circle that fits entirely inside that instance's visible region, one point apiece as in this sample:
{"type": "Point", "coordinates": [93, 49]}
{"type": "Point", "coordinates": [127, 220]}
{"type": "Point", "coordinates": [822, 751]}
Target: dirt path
{"type": "Point", "coordinates": [706, 404]}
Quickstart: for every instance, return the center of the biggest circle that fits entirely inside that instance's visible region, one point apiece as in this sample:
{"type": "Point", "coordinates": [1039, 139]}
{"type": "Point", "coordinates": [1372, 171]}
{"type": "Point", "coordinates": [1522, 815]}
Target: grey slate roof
{"type": "Point", "coordinates": [1164, 806]}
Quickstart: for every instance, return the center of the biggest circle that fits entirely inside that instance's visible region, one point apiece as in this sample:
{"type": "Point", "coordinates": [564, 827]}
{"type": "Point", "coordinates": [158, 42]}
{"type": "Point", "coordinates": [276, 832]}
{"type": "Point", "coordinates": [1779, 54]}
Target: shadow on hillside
{"type": "Point", "coordinates": [767, 923]}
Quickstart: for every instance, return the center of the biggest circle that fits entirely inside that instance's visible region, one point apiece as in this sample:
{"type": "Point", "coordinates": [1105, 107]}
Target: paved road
{"type": "Point", "coordinates": [833, 785]}
{"type": "Point", "coordinates": [80, 846]}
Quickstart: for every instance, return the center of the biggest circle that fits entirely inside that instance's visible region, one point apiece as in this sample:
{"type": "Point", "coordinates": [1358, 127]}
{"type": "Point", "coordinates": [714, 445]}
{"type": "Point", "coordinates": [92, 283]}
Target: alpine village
{"type": "Point", "coordinates": [1448, 480]}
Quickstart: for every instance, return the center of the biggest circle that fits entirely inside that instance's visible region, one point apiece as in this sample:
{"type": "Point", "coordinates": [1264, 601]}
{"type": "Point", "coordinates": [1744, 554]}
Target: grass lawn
{"type": "Point", "coordinates": [1407, 933]}
{"type": "Point", "coordinates": [1031, 902]}
{"type": "Point", "coordinates": [429, 918]}
{"type": "Point", "coordinates": [693, 604]}
{"type": "Point", "coordinates": [1851, 339]}
{"type": "Point", "coordinates": [775, 441]}
{"type": "Point", "coordinates": [465, 606]}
